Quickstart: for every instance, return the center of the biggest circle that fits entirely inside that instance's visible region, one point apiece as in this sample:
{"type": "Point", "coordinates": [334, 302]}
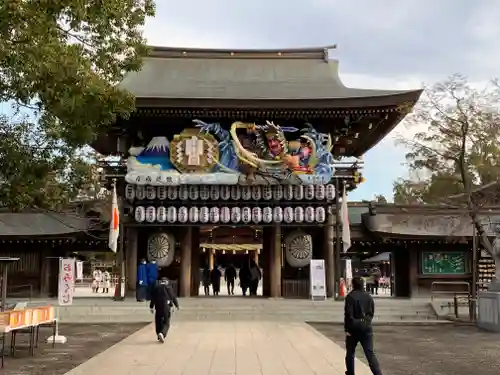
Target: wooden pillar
{"type": "Point", "coordinates": [275, 263]}
{"type": "Point", "coordinates": [328, 253]}
{"type": "Point", "coordinates": [195, 261]}
{"type": "Point", "coordinates": [45, 271]}
{"type": "Point", "coordinates": [256, 257]}
{"type": "Point", "coordinates": [266, 254]}
{"type": "Point", "coordinates": [211, 259]}
{"type": "Point", "coordinates": [185, 275]}
{"type": "Point", "coordinates": [131, 258]}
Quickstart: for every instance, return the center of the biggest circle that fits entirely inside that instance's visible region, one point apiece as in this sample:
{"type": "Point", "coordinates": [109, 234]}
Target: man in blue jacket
{"type": "Point", "coordinates": [142, 281]}
{"type": "Point", "coordinates": [152, 275]}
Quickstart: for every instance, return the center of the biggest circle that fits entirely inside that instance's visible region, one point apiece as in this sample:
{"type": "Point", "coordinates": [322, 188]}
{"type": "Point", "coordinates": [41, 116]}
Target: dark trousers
{"type": "Point", "coordinates": [230, 286]}
{"type": "Point", "coordinates": [141, 292]}
{"type": "Point", "coordinates": [206, 288]}
{"type": "Point", "coordinates": [254, 284]}
{"type": "Point", "coordinates": [366, 341]}
{"type": "Point", "coordinates": [162, 323]}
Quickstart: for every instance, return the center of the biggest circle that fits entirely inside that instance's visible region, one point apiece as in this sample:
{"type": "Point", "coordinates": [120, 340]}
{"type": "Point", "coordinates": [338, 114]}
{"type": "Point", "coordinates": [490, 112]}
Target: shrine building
{"type": "Point", "coordinates": [238, 154]}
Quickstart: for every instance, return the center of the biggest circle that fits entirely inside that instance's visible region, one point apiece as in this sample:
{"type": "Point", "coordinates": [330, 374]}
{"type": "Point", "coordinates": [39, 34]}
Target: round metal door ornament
{"type": "Point", "coordinates": [225, 192]}
{"type": "Point", "coordinates": [277, 192]}
{"type": "Point", "coordinates": [288, 192]}
{"type": "Point", "coordinates": [298, 192]}
{"type": "Point", "coordinates": [204, 192]}
{"type": "Point", "coordinates": [204, 215]}
{"type": "Point", "coordinates": [298, 249]}
{"type": "Point", "coordinates": [309, 214]}
{"type": "Point", "coordinates": [193, 192]}
{"type": "Point", "coordinates": [151, 192]}
{"type": "Point", "coordinates": [246, 215]}
{"type": "Point", "coordinates": [140, 192]}
{"type": "Point", "coordinates": [246, 193]}
{"type": "Point", "coordinates": [256, 215]}
{"type": "Point", "coordinates": [267, 214]}
{"type": "Point", "coordinates": [214, 192]}
{"type": "Point", "coordinates": [278, 214]}
{"type": "Point", "coordinates": [161, 214]}
{"type": "Point", "coordinates": [288, 215]}
{"type": "Point", "coordinates": [320, 192]}
{"type": "Point", "coordinates": [235, 214]}
{"type": "Point", "coordinates": [171, 214]}
{"type": "Point", "coordinates": [172, 192]}
{"type": "Point", "coordinates": [151, 214]}
{"type": "Point", "coordinates": [130, 192]}
{"type": "Point", "coordinates": [214, 214]}
{"type": "Point", "coordinates": [182, 215]}
{"type": "Point", "coordinates": [161, 193]}
{"type": "Point", "coordinates": [140, 214]}
{"type": "Point", "coordinates": [256, 193]}
{"type": "Point", "coordinates": [320, 215]}
{"type": "Point", "coordinates": [330, 192]}
{"type": "Point", "coordinates": [309, 192]}
{"type": "Point", "coordinates": [267, 192]}
{"type": "Point", "coordinates": [298, 214]}
{"type": "Point", "coordinates": [225, 215]}
{"type": "Point", "coordinates": [184, 193]}
{"type": "Point", "coordinates": [161, 248]}
{"type": "Point", "coordinates": [235, 193]}
{"type": "Point", "coordinates": [193, 214]}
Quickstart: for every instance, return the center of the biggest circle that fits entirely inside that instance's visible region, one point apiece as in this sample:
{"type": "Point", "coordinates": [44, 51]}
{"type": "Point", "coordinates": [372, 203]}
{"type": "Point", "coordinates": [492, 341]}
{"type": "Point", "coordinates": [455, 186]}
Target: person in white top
{"type": "Point", "coordinates": [96, 280]}
{"type": "Point", "coordinates": [106, 281]}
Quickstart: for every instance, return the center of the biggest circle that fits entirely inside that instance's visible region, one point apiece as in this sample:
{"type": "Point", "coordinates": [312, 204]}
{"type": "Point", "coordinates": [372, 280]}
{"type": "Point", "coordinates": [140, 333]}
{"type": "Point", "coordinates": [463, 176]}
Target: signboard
{"type": "Point", "coordinates": [317, 279]}
{"type": "Point", "coordinates": [443, 263]}
{"type": "Point", "coordinates": [66, 285]}
{"type": "Point", "coordinates": [79, 270]}
{"type": "Point", "coordinates": [348, 269]}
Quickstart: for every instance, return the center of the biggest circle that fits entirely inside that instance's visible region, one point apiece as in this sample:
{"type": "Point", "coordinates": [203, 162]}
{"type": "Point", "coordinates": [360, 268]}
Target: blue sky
{"type": "Point", "coordinates": [386, 44]}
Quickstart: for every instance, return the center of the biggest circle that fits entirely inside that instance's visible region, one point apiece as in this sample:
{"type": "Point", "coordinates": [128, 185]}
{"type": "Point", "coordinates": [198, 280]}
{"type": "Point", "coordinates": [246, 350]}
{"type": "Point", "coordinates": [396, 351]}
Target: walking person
{"type": "Point", "coordinates": [205, 280]}
{"type": "Point", "coordinates": [359, 312]}
{"type": "Point", "coordinates": [244, 277]}
{"type": "Point", "coordinates": [106, 281]}
{"type": "Point", "coordinates": [229, 277]}
{"type": "Point", "coordinates": [163, 299]}
{"type": "Point", "coordinates": [97, 278]}
{"type": "Point", "coordinates": [215, 276]}
{"type": "Point", "coordinates": [255, 276]}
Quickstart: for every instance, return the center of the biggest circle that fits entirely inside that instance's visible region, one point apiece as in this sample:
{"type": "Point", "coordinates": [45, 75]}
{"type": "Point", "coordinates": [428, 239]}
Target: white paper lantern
{"type": "Point", "coordinates": [246, 193]}
{"type": "Point", "coordinates": [171, 214]}
{"type": "Point", "coordinates": [193, 192]}
{"type": "Point", "coordinates": [151, 192]}
{"type": "Point", "coordinates": [256, 215]}
{"type": "Point", "coordinates": [235, 214]}
{"type": "Point", "coordinates": [267, 214]}
{"type": "Point", "coordinates": [140, 192]}
{"type": "Point", "coordinates": [320, 192]}
{"type": "Point", "coordinates": [298, 214]}
{"type": "Point", "coordinates": [130, 192]}
{"type": "Point", "coordinates": [151, 214]}
{"type": "Point", "coordinates": [225, 192]}
{"type": "Point", "coordinates": [246, 215]}
{"type": "Point", "coordinates": [309, 192]}
{"type": "Point", "coordinates": [235, 193]}
{"type": "Point", "coordinates": [193, 214]}
{"type": "Point", "coordinates": [330, 192]}
{"type": "Point", "coordinates": [298, 192]}
{"type": "Point", "coordinates": [161, 214]}
{"type": "Point", "coordinates": [172, 192]}
{"type": "Point", "coordinates": [214, 192]}
{"type": "Point", "coordinates": [204, 192]}
{"type": "Point", "coordinates": [256, 193]}
{"type": "Point", "coordinates": [140, 214]}
{"type": "Point", "coordinates": [320, 215]}
{"type": "Point", "coordinates": [204, 214]}
{"type": "Point", "coordinates": [182, 215]}
{"type": "Point", "coordinates": [225, 215]}
{"type": "Point", "coordinates": [267, 192]}
{"type": "Point", "coordinates": [184, 192]}
{"type": "Point", "coordinates": [278, 214]}
{"type": "Point", "coordinates": [288, 215]}
{"type": "Point", "coordinates": [288, 192]}
{"type": "Point", "coordinates": [277, 192]}
{"type": "Point", "coordinates": [161, 193]}
{"type": "Point", "coordinates": [214, 214]}
{"type": "Point", "coordinates": [309, 214]}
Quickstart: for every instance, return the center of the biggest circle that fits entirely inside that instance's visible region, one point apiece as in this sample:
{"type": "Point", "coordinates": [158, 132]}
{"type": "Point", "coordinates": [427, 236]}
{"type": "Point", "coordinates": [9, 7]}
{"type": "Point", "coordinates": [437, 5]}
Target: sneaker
{"type": "Point", "coordinates": [161, 338]}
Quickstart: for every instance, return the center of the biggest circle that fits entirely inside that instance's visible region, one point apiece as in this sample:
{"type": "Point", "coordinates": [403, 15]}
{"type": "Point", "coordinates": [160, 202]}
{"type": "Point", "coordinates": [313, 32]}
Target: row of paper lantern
{"type": "Point", "coordinates": [235, 192]}
{"type": "Point", "coordinates": [244, 215]}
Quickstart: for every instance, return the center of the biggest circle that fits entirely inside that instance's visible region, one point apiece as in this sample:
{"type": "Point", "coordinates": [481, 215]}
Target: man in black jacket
{"type": "Point", "coordinates": [162, 299]}
{"type": "Point", "coordinates": [359, 312]}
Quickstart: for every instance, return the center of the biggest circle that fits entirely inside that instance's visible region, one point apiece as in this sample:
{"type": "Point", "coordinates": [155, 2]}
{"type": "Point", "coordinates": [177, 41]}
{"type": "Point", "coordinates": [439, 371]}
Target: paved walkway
{"type": "Point", "coordinates": [237, 348]}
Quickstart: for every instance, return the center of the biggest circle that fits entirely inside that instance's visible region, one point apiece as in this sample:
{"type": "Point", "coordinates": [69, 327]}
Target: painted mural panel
{"type": "Point", "coordinates": [248, 154]}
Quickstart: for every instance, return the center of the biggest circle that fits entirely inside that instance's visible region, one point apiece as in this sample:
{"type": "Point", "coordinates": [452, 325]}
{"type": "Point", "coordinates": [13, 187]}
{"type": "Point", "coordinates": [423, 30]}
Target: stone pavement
{"type": "Point", "coordinates": [223, 348]}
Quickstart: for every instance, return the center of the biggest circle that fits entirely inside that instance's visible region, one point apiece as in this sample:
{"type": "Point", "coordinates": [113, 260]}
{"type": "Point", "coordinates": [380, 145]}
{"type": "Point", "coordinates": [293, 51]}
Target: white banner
{"type": "Point", "coordinates": [66, 285]}
{"type": "Point", "coordinates": [79, 270]}
{"type": "Point", "coordinates": [348, 269]}
{"type": "Point", "coordinates": [317, 279]}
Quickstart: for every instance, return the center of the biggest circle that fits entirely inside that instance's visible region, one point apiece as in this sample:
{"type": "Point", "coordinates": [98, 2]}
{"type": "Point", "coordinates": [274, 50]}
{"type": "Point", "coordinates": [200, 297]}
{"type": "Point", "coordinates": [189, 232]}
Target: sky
{"type": "Point", "coordinates": [385, 44]}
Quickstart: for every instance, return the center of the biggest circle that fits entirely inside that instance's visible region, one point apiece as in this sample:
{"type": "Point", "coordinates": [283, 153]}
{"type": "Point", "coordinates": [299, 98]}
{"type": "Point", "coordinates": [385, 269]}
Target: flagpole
{"type": "Point", "coordinates": [338, 248]}
{"type": "Point", "coordinates": [120, 251]}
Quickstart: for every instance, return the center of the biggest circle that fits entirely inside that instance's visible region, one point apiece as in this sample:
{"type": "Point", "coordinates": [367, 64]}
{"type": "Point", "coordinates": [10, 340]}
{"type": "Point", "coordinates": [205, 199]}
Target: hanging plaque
{"type": "Point", "coordinates": [161, 193]}
{"type": "Point", "coordinates": [151, 214]}
{"type": "Point", "coordinates": [214, 214]}
{"type": "Point", "coordinates": [267, 214]}
{"type": "Point", "coordinates": [161, 214]}
{"type": "Point", "coordinates": [130, 192]}
{"type": "Point", "coordinates": [182, 215]}
{"type": "Point", "coordinates": [140, 214]}
{"type": "Point", "coordinates": [171, 214]}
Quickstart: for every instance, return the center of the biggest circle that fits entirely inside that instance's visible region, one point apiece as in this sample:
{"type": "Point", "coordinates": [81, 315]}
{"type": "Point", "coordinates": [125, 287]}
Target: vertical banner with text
{"type": "Point", "coordinates": [66, 285]}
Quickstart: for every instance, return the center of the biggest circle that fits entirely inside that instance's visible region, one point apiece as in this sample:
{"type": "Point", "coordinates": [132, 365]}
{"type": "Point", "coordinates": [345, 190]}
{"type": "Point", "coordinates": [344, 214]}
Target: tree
{"type": "Point", "coordinates": [64, 58]}
{"type": "Point", "coordinates": [458, 151]}
{"type": "Point", "coordinates": [379, 198]}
